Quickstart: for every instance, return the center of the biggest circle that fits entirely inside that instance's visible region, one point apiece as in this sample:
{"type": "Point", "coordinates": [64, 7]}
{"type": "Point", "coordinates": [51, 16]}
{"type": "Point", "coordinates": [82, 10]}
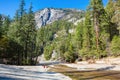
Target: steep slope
{"type": "Point", "coordinates": [49, 15]}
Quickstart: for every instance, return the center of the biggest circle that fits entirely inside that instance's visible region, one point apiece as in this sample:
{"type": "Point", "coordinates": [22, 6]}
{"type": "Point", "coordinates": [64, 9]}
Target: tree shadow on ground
{"type": "Point", "coordinates": [11, 73]}
{"type": "Point", "coordinates": [8, 78]}
{"type": "Point", "coordinates": [101, 76]}
{"type": "Point", "coordinates": [88, 74]}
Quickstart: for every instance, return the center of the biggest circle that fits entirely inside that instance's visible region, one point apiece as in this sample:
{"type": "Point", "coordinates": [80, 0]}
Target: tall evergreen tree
{"type": "Point", "coordinates": [87, 31]}
{"type": "Point", "coordinates": [110, 10]}
{"type": "Point", "coordinates": [31, 33]}
{"type": "Point", "coordinates": [79, 36]}
{"type": "Point", "coordinates": [116, 17]}
{"type": "Point", "coordinates": [87, 34]}
{"type": "Point", "coordinates": [20, 24]}
{"type": "Point", "coordinates": [98, 11]}
{"type": "Point", "coordinates": [16, 31]}
{"type": "Point", "coordinates": [6, 25]}
{"type": "Point", "coordinates": [0, 25]}
{"type": "Point", "coordinates": [21, 8]}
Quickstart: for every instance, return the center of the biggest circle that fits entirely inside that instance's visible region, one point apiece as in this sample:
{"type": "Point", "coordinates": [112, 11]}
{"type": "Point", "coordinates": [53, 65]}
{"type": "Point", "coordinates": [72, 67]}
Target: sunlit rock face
{"type": "Point", "coordinates": [49, 15]}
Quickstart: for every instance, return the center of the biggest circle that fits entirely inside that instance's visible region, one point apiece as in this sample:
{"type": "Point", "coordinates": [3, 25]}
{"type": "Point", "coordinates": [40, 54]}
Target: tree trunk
{"type": "Point", "coordinates": [96, 26]}
{"type": "Point", "coordinates": [26, 60]}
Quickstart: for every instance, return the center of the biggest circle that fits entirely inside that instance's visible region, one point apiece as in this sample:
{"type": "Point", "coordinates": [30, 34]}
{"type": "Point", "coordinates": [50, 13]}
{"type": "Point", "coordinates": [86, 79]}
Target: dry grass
{"type": "Point", "coordinates": [86, 75]}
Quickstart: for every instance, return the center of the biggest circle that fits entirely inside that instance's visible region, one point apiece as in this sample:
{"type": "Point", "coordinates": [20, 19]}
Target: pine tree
{"type": "Point", "coordinates": [31, 33]}
{"type": "Point", "coordinates": [110, 10]}
{"type": "Point", "coordinates": [116, 20]}
{"type": "Point", "coordinates": [16, 32]}
{"type": "Point", "coordinates": [16, 17]}
{"type": "Point", "coordinates": [79, 36]}
{"type": "Point", "coordinates": [20, 30]}
{"type": "Point", "coordinates": [21, 14]}
{"type": "Point", "coordinates": [87, 34]}
{"type": "Point", "coordinates": [1, 25]}
{"type": "Point", "coordinates": [12, 34]}
{"type": "Point", "coordinates": [98, 11]}
{"type": "Point", "coordinates": [6, 24]}
{"type": "Point", "coordinates": [21, 9]}
{"type": "Point", "coordinates": [87, 31]}
{"type": "Point", "coordinates": [115, 46]}
{"type": "Point", "coordinates": [116, 17]}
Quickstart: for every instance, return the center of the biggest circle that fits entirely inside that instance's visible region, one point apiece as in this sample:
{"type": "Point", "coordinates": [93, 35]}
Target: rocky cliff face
{"type": "Point", "coordinates": [49, 15]}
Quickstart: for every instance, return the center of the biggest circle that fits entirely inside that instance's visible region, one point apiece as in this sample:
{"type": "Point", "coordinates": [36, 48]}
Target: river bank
{"type": "Point", "coordinates": [109, 63]}
{"type": "Point", "coordinates": [104, 69]}
{"type": "Point", "coordinates": [12, 72]}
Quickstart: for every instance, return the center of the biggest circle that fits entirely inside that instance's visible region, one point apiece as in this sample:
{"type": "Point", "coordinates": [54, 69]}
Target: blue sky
{"type": "Point", "coordinates": [9, 7]}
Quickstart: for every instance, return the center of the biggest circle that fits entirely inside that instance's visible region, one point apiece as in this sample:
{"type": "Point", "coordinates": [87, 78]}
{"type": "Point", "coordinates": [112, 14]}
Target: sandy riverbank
{"type": "Point", "coordinates": [103, 64]}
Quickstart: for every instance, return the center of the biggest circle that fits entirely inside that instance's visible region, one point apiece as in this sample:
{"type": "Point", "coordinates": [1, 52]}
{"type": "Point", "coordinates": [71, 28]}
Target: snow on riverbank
{"type": "Point", "coordinates": [10, 72]}
{"type": "Point", "coordinates": [106, 64]}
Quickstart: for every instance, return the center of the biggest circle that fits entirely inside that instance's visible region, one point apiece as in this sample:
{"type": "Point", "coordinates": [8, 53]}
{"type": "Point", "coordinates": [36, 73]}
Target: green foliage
{"type": "Point", "coordinates": [110, 11]}
{"type": "Point", "coordinates": [3, 45]}
{"type": "Point", "coordinates": [79, 36]}
{"type": "Point", "coordinates": [1, 25]}
{"type": "Point", "coordinates": [116, 16]}
{"type": "Point", "coordinates": [48, 52]}
{"type": "Point", "coordinates": [69, 56]}
{"type": "Point", "coordinates": [21, 35]}
{"type": "Point", "coordinates": [60, 43]}
{"type": "Point", "coordinates": [5, 25]}
{"type": "Point", "coordinates": [115, 46]}
{"type": "Point", "coordinates": [70, 53]}
{"type": "Point", "coordinates": [84, 41]}
{"type": "Point", "coordinates": [87, 54]}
